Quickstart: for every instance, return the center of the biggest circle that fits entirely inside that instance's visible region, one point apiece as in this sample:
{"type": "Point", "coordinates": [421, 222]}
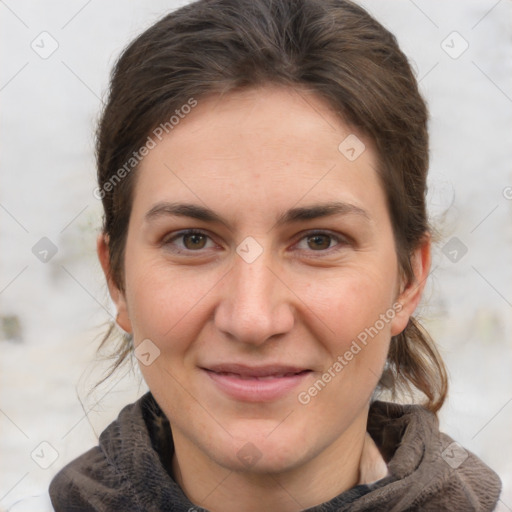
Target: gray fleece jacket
{"type": "Point", "coordinates": [130, 468]}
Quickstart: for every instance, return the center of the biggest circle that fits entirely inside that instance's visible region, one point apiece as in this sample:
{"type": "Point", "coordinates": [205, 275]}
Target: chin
{"type": "Point", "coordinates": [259, 453]}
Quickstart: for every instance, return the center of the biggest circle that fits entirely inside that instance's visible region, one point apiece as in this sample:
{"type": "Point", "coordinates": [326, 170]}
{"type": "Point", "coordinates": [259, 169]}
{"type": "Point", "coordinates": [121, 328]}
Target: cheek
{"type": "Point", "coordinates": [353, 301]}
{"type": "Point", "coordinates": [358, 309]}
{"type": "Point", "coordinates": [165, 303]}
{"type": "Point", "coordinates": [359, 313]}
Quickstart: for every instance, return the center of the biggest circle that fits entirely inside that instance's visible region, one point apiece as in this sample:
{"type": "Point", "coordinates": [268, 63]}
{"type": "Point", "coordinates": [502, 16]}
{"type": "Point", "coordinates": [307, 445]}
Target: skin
{"type": "Point", "coordinates": [249, 156]}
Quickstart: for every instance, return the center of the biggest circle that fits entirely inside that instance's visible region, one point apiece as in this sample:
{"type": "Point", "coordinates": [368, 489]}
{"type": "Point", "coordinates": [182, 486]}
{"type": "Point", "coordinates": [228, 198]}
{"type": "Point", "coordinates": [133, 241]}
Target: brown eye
{"type": "Point", "coordinates": [319, 242]}
{"type": "Point", "coordinates": [323, 243]}
{"type": "Point", "coordinates": [194, 241]}
{"type": "Point", "coordinates": [187, 242]}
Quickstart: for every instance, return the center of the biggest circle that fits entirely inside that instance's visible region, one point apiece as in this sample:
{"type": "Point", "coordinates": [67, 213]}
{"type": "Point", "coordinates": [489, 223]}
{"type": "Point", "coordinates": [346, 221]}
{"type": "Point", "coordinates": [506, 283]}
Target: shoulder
{"type": "Point", "coordinates": [85, 483]}
{"type": "Point", "coordinates": [101, 478]}
{"type": "Point", "coordinates": [431, 471]}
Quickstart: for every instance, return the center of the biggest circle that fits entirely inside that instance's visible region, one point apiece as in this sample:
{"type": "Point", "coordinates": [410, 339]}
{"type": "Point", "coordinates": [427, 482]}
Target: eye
{"type": "Point", "coordinates": [190, 240]}
{"type": "Point", "coordinates": [320, 241]}
{"type": "Point", "coordinates": [193, 240]}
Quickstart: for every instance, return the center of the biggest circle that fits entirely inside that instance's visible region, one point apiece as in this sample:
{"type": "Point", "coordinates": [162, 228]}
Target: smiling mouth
{"type": "Point", "coordinates": [255, 384]}
{"type": "Point", "coordinates": [259, 377]}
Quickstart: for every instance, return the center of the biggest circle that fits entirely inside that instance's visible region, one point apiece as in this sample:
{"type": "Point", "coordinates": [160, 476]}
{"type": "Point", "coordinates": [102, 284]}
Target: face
{"type": "Point", "coordinates": [261, 279]}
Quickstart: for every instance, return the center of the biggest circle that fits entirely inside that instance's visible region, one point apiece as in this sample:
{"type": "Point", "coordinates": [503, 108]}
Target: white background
{"type": "Point", "coordinates": [49, 108]}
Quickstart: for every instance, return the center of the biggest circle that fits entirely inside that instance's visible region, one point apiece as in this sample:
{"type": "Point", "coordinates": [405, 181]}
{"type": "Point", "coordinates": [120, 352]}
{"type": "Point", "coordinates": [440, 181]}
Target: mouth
{"type": "Point", "coordinates": [255, 384]}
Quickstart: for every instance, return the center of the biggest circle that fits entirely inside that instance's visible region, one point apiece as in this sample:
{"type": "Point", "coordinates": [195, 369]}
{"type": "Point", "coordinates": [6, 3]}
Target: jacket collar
{"type": "Point", "coordinates": [428, 471]}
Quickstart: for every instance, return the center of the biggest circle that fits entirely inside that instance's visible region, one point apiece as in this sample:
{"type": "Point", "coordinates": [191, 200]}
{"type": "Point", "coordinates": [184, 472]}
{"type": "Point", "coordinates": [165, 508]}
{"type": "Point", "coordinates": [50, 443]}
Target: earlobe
{"type": "Point", "coordinates": [410, 296]}
{"type": "Point", "coordinates": [118, 297]}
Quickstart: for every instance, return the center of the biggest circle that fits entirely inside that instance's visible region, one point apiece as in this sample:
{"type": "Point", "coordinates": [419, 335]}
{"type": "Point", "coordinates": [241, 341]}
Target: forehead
{"type": "Point", "coordinates": [258, 147]}
{"type": "Point", "coordinates": [291, 123]}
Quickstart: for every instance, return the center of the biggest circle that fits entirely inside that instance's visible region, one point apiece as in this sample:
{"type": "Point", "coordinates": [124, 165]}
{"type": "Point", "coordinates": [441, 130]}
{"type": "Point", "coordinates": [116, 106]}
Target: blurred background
{"type": "Point", "coordinates": [56, 58]}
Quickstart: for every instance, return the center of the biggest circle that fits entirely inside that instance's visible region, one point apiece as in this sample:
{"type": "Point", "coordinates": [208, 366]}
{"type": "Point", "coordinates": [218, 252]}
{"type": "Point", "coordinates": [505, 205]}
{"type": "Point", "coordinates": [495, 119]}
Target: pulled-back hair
{"type": "Point", "coordinates": [333, 48]}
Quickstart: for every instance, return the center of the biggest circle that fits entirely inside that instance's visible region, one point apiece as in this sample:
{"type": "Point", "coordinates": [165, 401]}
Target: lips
{"type": "Point", "coordinates": [253, 372]}
{"type": "Point", "coordinates": [255, 384]}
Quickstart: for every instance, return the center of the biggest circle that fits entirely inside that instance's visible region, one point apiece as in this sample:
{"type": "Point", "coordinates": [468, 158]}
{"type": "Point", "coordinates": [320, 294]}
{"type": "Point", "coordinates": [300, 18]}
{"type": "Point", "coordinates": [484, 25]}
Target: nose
{"type": "Point", "coordinates": [255, 305]}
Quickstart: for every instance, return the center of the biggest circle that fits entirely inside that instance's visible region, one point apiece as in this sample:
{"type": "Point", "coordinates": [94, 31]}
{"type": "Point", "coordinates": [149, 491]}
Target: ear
{"type": "Point", "coordinates": [410, 296]}
{"type": "Point", "coordinates": [123, 318]}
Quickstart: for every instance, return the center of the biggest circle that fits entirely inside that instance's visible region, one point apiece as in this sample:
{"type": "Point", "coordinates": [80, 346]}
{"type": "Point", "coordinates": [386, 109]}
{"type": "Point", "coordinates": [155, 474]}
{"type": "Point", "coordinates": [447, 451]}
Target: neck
{"type": "Point", "coordinates": [219, 489]}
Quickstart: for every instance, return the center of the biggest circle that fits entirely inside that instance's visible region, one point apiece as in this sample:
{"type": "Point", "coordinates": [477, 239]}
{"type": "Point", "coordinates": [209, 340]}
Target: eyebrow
{"type": "Point", "coordinates": [290, 216]}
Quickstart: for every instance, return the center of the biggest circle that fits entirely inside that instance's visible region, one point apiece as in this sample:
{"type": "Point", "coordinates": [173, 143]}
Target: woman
{"type": "Point", "coordinates": [262, 166]}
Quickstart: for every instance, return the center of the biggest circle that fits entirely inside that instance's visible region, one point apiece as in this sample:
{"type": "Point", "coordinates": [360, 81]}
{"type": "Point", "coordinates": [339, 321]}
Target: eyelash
{"type": "Point", "coordinates": [341, 241]}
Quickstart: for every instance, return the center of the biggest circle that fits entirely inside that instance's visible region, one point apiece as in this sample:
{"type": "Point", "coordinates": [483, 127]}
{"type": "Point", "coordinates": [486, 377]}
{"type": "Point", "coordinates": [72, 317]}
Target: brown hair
{"type": "Point", "coordinates": [332, 47]}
